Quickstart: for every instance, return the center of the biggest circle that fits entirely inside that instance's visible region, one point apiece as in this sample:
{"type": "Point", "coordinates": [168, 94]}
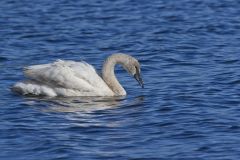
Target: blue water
{"type": "Point", "coordinates": [190, 56]}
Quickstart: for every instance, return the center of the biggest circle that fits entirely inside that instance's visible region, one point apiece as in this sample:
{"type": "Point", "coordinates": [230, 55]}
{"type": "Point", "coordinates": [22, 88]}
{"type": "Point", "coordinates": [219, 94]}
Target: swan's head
{"type": "Point", "coordinates": [134, 69]}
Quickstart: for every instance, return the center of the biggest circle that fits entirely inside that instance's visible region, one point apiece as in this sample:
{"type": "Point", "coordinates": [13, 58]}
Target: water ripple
{"type": "Point", "coordinates": [189, 53]}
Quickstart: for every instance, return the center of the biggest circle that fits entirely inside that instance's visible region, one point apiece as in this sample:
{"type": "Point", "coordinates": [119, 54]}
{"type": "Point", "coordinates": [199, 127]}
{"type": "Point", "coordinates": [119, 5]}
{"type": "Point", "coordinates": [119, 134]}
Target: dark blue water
{"type": "Point", "coordinates": [190, 56]}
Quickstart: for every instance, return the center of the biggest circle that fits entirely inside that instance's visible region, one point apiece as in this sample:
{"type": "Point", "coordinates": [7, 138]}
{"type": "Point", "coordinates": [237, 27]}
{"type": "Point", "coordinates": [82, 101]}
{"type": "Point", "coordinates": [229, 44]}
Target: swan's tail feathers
{"type": "Point", "coordinates": [31, 71]}
{"type": "Point", "coordinates": [33, 88]}
{"type": "Point", "coordinates": [27, 71]}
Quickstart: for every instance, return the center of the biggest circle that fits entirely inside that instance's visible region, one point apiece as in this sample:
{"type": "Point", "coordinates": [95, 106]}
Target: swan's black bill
{"type": "Point", "coordinates": [139, 79]}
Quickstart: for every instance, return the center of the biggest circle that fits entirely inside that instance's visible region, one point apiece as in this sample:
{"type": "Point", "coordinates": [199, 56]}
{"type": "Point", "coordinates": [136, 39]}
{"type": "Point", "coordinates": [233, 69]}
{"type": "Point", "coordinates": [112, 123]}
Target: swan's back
{"type": "Point", "coordinates": [63, 78]}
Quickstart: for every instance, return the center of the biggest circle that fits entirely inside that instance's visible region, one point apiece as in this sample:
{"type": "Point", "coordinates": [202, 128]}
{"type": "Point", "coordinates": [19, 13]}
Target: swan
{"type": "Point", "coordinates": [69, 78]}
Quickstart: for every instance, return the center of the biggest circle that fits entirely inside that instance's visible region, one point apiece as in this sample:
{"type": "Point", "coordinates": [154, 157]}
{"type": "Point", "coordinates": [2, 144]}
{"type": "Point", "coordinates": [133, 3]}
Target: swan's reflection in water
{"type": "Point", "coordinates": [83, 104]}
{"type": "Point", "coordinates": [87, 104]}
{"type": "Point", "coordinates": [87, 111]}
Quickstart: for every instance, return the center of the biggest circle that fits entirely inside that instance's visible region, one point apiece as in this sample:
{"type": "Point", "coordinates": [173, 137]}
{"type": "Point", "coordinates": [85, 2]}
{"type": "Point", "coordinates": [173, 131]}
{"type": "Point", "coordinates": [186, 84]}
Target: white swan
{"type": "Point", "coordinates": [69, 78]}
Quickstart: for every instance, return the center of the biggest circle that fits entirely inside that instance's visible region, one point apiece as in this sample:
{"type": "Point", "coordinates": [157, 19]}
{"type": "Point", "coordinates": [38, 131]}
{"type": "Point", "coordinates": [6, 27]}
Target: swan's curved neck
{"type": "Point", "coordinates": [108, 74]}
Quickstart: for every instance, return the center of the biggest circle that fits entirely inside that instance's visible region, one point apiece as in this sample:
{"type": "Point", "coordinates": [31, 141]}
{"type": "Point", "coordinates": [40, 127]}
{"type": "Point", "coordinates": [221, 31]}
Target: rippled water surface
{"type": "Point", "coordinates": [190, 56]}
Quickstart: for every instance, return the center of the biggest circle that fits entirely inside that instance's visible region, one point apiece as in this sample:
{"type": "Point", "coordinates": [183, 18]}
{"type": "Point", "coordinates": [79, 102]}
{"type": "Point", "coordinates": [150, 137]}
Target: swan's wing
{"type": "Point", "coordinates": [87, 72]}
{"type": "Point", "coordinates": [66, 74]}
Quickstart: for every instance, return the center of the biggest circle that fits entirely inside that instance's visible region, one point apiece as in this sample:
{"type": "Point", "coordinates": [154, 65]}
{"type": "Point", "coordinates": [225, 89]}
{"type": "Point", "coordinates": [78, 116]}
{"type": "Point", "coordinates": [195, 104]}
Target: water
{"type": "Point", "coordinates": [189, 51]}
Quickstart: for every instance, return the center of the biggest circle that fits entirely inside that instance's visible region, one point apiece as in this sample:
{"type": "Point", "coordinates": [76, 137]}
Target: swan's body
{"type": "Point", "coordinates": [69, 78]}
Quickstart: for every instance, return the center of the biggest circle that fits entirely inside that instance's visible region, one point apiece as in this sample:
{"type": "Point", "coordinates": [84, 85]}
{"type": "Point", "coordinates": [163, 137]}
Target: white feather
{"type": "Point", "coordinates": [63, 78]}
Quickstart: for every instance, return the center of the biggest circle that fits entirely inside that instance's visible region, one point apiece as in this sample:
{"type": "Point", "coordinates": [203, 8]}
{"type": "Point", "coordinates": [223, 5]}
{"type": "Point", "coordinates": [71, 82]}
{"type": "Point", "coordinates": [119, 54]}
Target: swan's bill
{"type": "Point", "coordinates": [138, 77]}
